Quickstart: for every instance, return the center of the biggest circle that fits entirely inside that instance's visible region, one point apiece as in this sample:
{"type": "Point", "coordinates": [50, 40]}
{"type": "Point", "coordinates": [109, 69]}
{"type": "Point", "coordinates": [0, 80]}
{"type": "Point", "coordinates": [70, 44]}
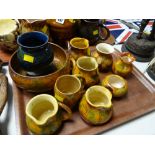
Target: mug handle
{"type": "Point", "coordinates": [67, 115]}
{"type": "Point", "coordinates": [102, 28]}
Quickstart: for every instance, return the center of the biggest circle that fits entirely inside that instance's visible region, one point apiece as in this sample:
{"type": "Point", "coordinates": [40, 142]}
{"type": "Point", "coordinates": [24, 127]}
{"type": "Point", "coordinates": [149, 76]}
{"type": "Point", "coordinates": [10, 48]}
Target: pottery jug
{"type": "Point", "coordinates": [96, 106]}
{"type": "Point", "coordinates": [44, 115]}
{"type": "Point", "coordinates": [79, 47]}
{"type": "Point", "coordinates": [87, 67]}
{"type": "Point", "coordinates": [122, 64]}
{"type": "Point", "coordinates": [9, 30]}
{"type": "Point", "coordinates": [93, 30]}
{"type": "Point", "coordinates": [103, 55]}
{"type": "Point", "coordinates": [69, 89]}
{"type": "Point", "coordinates": [62, 30]}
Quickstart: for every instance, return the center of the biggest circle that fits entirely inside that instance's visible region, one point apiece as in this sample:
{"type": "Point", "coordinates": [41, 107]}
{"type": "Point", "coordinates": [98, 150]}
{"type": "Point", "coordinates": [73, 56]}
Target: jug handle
{"type": "Point", "coordinates": [82, 79]}
{"type": "Point", "coordinates": [67, 115]}
{"type": "Point", "coordinates": [101, 26]}
{"type": "Point", "coordinates": [73, 64]}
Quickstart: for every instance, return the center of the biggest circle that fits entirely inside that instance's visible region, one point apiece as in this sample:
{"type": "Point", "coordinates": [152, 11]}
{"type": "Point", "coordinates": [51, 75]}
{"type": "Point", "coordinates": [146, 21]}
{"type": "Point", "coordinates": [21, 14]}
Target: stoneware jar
{"type": "Point", "coordinates": [122, 64]}
{"type": "Point", "coordinates": [34, 50]}
{"type": "Point", "coordinates": [69, 89]}
{"type": "Point", "coordinates": [96, 106]}
{"type": "Point", "coordinates": [93, 30]}
{"type": "Point", "coordinates": [116, 84]}
{"type": "Point", "coordinates": [103, 55]}
{"type": "Point", "coordinates": [9, 30]}
{"type": "Point", "coordinates": [79, 47]}
{"type": "Point", "coordinates": [87, 67]}
{"type": "Point", "coordinates": [44, 115]}
{"type": "Point", "coordinates": [62, 30]}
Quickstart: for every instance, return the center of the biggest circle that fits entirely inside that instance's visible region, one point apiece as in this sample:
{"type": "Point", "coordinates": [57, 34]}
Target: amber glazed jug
{"type": "Point", "coordinates": [96, 106]}
{"type": "Point", "coordinates": [86, 67]}
{"type": "Point", "coordinates": [122, 64]}
{"type": "Point", "coordinates": [44, 115]}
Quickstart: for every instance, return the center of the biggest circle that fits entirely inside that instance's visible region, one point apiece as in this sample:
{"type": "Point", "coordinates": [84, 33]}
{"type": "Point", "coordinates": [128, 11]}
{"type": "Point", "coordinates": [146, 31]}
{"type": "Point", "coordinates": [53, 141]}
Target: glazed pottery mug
{"type": "Point", "coordinates": [79, 47]}
{"type": "Point", "coordinates": [87, 67]}
{"type": "Point", "coordinates": [34, 50]}
{"type": "Point", "coordinates": [69, 89]}
{"type": "Point", "coordinates": [103, 55]}
{"type": "Point", "coordinates": [116, 84]}
{"type": "Point", "coordinates": [93, 30]}
{"type": "Point", "coordinates": [44, 115]}
{"type": "Point", "coordinates": [96, 106]}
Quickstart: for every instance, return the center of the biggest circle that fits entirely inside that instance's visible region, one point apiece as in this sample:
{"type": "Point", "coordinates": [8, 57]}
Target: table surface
{"type": "Point", "coordinates": [142, 125]}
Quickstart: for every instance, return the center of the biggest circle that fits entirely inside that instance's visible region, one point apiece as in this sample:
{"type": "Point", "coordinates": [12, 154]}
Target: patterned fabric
{"type": "Point", "coordinates": [121, 32]}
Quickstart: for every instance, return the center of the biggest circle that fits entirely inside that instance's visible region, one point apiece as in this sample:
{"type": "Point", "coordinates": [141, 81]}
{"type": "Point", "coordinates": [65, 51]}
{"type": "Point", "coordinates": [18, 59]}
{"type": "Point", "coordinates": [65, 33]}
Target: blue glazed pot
{"type": "Point", "coordinates": [34, 50]}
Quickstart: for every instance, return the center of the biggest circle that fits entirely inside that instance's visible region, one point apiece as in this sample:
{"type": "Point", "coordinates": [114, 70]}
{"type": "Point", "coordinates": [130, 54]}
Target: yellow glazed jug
{"type": "Point", "coordinates": [122, 64]}
{"type": "Point", "coordinates": [44, 115]}
{"type": "Point", "coordinates": [103, 55]}
{"type": "Point", "coordinates": [96, 106]}
{"type": "Point", "coordinates": [79, 47]}
{"type": "Point", "coordinates": [87, 67]}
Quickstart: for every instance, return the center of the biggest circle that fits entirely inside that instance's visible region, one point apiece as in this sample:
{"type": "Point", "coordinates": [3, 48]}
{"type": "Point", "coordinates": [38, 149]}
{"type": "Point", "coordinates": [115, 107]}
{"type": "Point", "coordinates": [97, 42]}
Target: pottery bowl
{"type": "Point", "coordinates": [40, 83]}
{"type": "Point", "coordinates": [116, 84]}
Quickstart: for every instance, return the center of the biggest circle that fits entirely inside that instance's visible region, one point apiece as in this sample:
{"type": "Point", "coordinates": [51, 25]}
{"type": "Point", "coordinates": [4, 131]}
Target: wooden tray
{"type": "Point", "coordinates": [139, 101]}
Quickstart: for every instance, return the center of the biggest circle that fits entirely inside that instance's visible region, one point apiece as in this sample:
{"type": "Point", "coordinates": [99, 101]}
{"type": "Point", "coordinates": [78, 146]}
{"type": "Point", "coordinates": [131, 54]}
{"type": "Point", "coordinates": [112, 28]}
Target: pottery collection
{"type": "Point", "coordinates": [71, 78]}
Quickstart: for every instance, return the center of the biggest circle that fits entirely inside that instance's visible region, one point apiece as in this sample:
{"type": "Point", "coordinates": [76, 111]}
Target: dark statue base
{"type": "Point", "coordinates": [142, 49]}
{"type": "Point", "coordinates": [151, 71]}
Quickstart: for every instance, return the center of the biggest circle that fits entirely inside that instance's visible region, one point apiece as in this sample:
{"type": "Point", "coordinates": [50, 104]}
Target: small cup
{"type": "Point", "coordinates": [69, 89]}
{"type": "Point", "coordinates": [79, 47]}
{"type": "Point", "coordinates": [44, 115]}
{"type": "Point", "coordinates": [87, 67]}
{"type": "Point", "coordinates": [34, 50]}
{"type": "Point", "coordinates": [116, 84]}
{"type": "Point", "coordinates": [96, 106]}
{"type": "Point", "coordinates": [103, 55]}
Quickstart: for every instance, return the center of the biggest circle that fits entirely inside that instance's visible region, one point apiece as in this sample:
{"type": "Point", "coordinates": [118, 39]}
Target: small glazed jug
{"type": "Point", "coordinates": [69, 89]}
{"type": "Point", "coordinates": [34, 50]}
{"type": "Point", "coordinates": [122, 65]}
{"type": "Point", "coordinates": [103, 55]}
{"type": "Point", "coordinates": [96, 107]}
{"type": "Point", "coordinates": [116, 84]}
{"type": "Point", "coordinates": [93, 30]}
{"type": "Point", "coordinates": [79, 47]}
{"type": "Point", "coordinates": [87, 67]}
{"type": "Point", "coordinates": [44, 115]}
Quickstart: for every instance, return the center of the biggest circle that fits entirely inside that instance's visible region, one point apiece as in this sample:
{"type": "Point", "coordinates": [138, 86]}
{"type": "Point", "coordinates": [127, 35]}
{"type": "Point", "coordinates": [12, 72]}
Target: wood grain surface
{"type": "Point", "coordinates": [138, 101]}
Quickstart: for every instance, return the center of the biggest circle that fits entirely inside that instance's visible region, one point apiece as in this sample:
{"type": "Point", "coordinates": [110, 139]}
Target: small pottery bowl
{"type": "Point", "coordinates": [116, 84]}
{"type": "Point", "coordinates": [9, 30]}
{"type": "Point", "coordinates": [96, 107]}
{"type": "Point", "coordinates": [40, 83]}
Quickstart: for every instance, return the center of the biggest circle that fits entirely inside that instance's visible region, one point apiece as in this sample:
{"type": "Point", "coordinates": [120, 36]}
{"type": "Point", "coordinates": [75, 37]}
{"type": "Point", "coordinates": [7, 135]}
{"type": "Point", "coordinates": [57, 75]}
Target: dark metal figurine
{"type": "Point", "coordinates": [144, 23]}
